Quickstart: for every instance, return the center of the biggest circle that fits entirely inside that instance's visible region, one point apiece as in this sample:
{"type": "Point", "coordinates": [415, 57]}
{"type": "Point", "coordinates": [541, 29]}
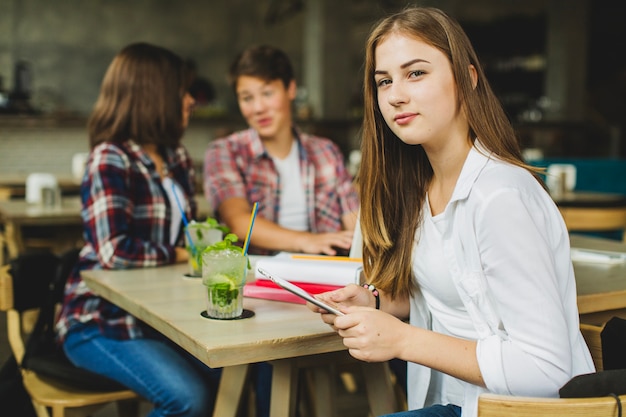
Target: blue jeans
{"type": "Point", "coordinates": [176, 383]}
{"type": "Point", "coordinates": [432, 411]}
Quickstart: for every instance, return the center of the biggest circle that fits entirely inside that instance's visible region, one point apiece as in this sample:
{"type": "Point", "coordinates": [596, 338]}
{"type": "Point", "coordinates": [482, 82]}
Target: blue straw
{"type": "Point", "coordinates": [185, 222]}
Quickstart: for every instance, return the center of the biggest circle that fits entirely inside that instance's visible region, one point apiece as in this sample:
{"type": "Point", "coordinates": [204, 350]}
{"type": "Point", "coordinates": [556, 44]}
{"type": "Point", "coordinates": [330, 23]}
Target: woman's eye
{"type": "Point", "coordinates": [383, 82]}
{"type": "Point", "coordinates": [416, 73]}
{"type": "Point", "coordinates": [268, 93]}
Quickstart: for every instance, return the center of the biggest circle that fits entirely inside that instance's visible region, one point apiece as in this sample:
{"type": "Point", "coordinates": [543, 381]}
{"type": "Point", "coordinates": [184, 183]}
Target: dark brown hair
{"type": "Point", "coordinates": [265, 62]}
{"type": "Point", "coordinates": [390, 168]}
{"type": "Point", "coordinates": [140, 98]}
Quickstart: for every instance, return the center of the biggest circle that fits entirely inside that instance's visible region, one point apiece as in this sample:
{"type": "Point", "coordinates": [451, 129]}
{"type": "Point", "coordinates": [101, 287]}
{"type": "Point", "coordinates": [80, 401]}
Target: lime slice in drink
{"type": "Point", "coordinates": [222, 279]}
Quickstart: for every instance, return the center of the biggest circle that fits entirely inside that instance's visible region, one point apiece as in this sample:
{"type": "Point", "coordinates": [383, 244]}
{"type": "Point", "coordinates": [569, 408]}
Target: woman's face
{"type": "Point", "coordinates": [416, 91]}
{"type": "Point", "coordinates": [266, 105]}
{"type": "Point", "coordinates": [188, 103]}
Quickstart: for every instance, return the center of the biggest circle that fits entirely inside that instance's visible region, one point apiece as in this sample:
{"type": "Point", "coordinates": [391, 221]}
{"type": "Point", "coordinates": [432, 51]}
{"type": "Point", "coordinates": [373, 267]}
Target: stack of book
{"type": "Point", "coordinates": [313, 273]}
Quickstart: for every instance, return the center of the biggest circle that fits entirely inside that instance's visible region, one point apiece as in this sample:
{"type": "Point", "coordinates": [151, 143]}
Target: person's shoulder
{"type": "Point", "coordinates": [113, 157]}
{"type": "Point", "coordinates": [111, 151]}
{"type": "Point", "coordinates": [498, 176]}
{"type": "Point", "coordinates": [234, 140]}
{"type": "Point", "coordinates": [314, 143]}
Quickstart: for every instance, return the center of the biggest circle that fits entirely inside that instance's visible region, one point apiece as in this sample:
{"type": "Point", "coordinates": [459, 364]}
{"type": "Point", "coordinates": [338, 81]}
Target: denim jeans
{"type": "Point", "coordinates": [176, 383]}
{"type": "Point", "coordinates": [432, 411]}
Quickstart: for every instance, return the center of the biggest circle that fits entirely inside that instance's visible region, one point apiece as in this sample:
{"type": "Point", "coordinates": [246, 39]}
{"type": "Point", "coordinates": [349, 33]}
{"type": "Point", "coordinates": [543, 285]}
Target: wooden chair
{"type": "Point", "coordinates": [589, 219]}
{"type": "Point", "coordinates": [592, 333]}
{"type": "Point", "coordinates": [492, 405]}
{"type": "Point", "coordinates": [48, 394]}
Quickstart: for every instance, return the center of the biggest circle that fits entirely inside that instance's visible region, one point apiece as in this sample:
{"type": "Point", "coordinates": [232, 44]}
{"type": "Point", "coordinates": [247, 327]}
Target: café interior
{"type": "Point", "coordinates": [556, 66]}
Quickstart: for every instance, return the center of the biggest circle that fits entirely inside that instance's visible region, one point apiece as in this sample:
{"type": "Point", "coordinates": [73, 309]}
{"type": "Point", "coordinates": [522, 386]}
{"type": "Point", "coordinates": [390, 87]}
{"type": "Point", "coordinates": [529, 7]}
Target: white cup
{"type": "Point", "coordinates": [561, 178]}
{"type": "Point", "coordinates": [79, 160]}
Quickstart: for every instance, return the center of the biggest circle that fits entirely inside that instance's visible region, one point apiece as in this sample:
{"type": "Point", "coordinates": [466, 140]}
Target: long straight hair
{"type": "Point", "coordinates": [141, 98]}
{"type": "Point", "coordinates": [393, 176]}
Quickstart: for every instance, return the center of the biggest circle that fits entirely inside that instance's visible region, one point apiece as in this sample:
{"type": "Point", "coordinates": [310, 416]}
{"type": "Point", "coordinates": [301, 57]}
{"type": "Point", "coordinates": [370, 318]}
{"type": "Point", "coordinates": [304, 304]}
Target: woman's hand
{"type": "Point", "coordinates": [350, 295]}
{"type": "Point", "coordinates": [370, 335]}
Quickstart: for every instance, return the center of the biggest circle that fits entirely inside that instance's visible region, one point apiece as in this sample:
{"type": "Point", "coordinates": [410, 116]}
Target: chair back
{"type": "Point", "coordinates": [594, 219]}
{"type": "Point", "coordinates": [593, 338]}
{"type": "Point", "coordinates": [35, 282]}
{"type": "Point", "coordinates": [493, 405]}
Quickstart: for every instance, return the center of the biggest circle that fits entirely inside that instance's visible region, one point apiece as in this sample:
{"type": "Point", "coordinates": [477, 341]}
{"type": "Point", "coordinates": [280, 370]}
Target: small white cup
{"type": "Point", "coordinates": [561, 178]}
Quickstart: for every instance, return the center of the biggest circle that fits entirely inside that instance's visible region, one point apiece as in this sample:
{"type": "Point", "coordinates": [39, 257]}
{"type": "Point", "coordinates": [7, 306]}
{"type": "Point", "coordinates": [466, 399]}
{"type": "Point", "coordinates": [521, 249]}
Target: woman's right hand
{"type": "Point", "coordinates": [350, 295]}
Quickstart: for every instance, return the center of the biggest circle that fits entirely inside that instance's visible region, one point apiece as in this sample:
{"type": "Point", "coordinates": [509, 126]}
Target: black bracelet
{"type": "Point", "coordinates": [375, 293]}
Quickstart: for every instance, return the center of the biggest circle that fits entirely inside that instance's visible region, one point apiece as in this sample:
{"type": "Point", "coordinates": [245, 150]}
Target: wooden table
{"type": "Point", "coordinates": [289, 336]}
{"type": "Point", "coordinates": [15, 215]}
{"type": "Point", "coordinates": [593, 199]}
{"type": "Point", "coordinates": [14, 185]}
{"type": "Point", "coordinates": [601, 287]}
{"type": "Point", "coordinates": [593, 211]}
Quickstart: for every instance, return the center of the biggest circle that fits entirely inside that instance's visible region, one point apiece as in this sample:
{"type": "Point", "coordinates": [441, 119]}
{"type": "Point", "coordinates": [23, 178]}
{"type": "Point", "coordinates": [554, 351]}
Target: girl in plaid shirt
{"type": "Point", "coordinates": [131, 220]}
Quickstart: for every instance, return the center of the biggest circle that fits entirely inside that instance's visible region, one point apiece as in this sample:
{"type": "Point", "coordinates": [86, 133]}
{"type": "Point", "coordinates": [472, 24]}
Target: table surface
{"type": "Point", "coordinates": [589, 199]}
{"type": "Point", "coordinates": [19, 211]}
{"type": "Point", "coordinates": [600, 286]}
{"type": "Point", "coordinates": [172, 303]}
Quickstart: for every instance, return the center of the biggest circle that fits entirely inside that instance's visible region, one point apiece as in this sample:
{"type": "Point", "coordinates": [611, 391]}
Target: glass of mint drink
{"type": "Point", "coordinates": [224, 270]}
{"type": "Point", "coordinates": [203, 235]}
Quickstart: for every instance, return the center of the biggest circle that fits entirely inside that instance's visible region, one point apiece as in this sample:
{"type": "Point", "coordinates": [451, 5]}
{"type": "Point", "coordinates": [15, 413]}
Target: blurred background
{"type": "Point", "coordinates": [556, 65]}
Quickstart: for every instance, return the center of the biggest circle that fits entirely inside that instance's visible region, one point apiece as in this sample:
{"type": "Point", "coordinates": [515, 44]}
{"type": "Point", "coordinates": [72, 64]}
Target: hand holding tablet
{"type": "Point", "coordinates": [301, 293]}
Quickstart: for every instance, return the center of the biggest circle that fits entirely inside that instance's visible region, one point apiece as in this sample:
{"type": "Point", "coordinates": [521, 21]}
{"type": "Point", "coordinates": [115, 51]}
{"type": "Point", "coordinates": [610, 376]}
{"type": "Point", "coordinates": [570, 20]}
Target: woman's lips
{"type": "Point", "coordinates": [404, 118]}
{"type": "Point", "coordinates": [264, 122]}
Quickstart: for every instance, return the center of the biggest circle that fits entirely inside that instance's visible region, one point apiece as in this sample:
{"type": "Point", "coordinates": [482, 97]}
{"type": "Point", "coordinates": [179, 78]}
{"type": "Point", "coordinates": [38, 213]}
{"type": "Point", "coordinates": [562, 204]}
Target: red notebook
{"type": "Point", "coordinates": [266, 289]}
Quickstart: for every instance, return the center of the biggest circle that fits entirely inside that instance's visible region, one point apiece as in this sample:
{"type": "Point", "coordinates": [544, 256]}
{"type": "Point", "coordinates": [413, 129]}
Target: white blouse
{"type": "Point", "coordinates": [507, 250]}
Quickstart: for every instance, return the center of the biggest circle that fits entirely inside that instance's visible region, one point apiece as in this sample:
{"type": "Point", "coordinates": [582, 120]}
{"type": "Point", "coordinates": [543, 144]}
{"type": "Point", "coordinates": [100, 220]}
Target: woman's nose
{"type": "Point", "coordinates": [397, 95]}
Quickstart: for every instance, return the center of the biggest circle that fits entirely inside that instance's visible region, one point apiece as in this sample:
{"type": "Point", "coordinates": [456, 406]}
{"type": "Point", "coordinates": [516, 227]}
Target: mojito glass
{"type": "Point", "coordinates": [202, 235]}
{"type": "Point", "coordinates": [224, 275]}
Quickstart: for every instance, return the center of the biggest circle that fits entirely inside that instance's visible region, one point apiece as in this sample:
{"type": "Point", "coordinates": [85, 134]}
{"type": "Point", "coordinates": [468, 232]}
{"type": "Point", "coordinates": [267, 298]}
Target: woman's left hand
{"type": "Point", "coordinates": [370, 335]}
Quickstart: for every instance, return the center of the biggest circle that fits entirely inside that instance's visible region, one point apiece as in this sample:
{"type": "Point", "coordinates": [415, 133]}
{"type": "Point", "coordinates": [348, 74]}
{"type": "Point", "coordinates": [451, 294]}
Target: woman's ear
{"type": "Point", "coordinates": [473, 75]}
{"type": "Point", "coordinates": [292, 90]}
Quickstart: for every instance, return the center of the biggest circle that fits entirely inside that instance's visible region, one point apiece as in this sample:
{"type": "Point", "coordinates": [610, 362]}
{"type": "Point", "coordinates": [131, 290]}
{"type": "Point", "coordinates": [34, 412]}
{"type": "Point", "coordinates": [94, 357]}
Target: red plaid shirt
{"type": "Point", "coordinates": [239, 166]}
{"type": "Point", "coordinates": [126, 219]}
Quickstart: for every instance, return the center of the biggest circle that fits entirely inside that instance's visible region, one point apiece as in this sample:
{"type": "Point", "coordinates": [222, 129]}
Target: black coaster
{"type": "Point", "coordinates": [245, 315]}
{"type": "Point", "coordinates": [188, 275]}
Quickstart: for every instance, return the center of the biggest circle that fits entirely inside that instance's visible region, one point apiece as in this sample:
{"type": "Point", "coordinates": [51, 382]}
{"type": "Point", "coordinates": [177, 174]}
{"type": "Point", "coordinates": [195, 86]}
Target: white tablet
{"type": "Point", "coordinates": [283, 283]}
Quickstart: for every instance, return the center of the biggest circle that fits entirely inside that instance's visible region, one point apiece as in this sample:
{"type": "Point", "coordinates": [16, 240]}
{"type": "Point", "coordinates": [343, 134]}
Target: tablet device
{"type": "Point", "coordinates": [283, 283]}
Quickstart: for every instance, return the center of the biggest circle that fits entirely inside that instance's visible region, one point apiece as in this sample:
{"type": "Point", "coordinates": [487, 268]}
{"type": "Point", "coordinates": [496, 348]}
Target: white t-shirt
{"type": "Point", "coordinates": [449, 315]}
{"type": "Point", "coordinates": [293, 212]}
{"type": "Point", "coordinates": [172, 187]}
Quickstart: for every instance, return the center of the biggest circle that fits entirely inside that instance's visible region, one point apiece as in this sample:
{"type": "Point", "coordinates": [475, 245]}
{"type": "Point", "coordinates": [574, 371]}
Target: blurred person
{"type": "Point", "coordinates": [131, 220]}
{"type": "Point", "coordinates": [307, 201]}
{"type": "Point", "coordinates": [460, 237]}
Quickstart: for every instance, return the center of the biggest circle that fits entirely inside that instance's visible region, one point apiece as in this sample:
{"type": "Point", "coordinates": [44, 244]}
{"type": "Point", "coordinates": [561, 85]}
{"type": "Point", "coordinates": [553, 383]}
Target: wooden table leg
{"type": "Point", "coordinates": [230, 391]}
{"type": "Point", "coordinates": [378, 385]}
{"type": "Point", "coordinates": [324, 390]}
{"type": "Point", "coordinates": [15, 244]}
{"type": "Point", "coordinates": [284, 388]}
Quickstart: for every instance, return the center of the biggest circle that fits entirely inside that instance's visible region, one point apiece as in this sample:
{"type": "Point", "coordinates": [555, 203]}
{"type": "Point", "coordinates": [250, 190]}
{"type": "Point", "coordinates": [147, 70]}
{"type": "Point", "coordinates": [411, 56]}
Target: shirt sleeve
{"type": "Point", "coordinates": [125, 227]}
{"type": "Point", "coordinates": [524, 253]}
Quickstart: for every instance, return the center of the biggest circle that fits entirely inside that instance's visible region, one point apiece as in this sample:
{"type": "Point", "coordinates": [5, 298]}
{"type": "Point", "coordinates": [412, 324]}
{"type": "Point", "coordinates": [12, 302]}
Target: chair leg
{"type": "Point", "coordinates": [40, 410]}
{"type": "Point", "coordinates": [128, 408]}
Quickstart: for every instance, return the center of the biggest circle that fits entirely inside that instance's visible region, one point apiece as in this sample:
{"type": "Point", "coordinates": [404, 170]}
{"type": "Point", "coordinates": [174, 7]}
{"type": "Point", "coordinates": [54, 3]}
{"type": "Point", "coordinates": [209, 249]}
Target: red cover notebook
{"type": "Point", "coordinates": [266, 289]}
